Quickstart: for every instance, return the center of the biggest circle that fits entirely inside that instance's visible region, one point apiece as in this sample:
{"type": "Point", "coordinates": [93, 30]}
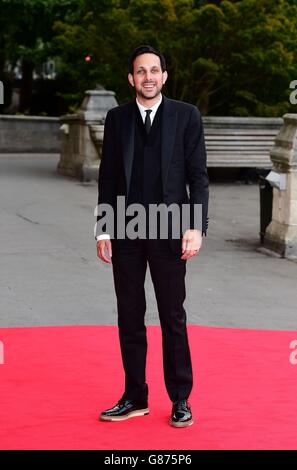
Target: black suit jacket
{"type": "Point", "coordinates": [183, 156]}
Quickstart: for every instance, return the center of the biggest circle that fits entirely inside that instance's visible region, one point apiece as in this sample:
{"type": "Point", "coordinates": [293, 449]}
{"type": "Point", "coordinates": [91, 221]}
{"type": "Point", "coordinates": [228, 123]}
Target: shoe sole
{"type": "Point", "coordinates": [181, 425]}
{"type": "Point", "coordinates": [133, 414]}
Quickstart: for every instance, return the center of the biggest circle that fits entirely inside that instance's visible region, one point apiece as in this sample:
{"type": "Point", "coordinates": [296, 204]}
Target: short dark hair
{"type": "Point", "coordinates": [145, 49]}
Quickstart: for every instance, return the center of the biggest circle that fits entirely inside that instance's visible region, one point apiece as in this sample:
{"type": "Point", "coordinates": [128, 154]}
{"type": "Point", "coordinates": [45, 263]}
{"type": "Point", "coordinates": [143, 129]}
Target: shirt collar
{"type": "Point", "coordinates": [153, 108]}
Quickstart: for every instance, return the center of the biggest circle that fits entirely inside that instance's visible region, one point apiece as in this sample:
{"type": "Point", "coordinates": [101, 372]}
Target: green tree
{"type": "Point", "coordinates": [228, 57]}
{"type": "Point", "coordinates": [26, 30]}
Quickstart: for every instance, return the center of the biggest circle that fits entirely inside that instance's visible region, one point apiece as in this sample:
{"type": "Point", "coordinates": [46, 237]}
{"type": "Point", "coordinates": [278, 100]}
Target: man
{"type": "Point", "coordinates": [152, 148]}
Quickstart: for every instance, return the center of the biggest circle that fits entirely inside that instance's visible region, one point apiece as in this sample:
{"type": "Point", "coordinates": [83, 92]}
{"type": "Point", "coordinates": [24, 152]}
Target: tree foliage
{"type": "Point", "coordinates": [26, 32]}
{"type": "Point", "coordinates": [228, 57]}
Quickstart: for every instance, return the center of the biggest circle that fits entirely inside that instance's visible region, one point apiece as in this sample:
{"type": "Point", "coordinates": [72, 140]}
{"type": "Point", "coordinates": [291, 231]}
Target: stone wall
{"type": "Point", "coordinates": [29, 134]}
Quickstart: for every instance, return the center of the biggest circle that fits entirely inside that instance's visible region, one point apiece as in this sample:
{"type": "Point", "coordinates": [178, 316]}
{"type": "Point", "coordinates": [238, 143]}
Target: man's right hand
{"type": "Point", "coordinates": [104, 248]}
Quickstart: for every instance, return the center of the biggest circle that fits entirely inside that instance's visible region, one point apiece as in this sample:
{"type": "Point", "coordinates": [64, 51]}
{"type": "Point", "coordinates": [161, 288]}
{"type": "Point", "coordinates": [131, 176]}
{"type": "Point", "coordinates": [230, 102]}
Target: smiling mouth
{"type": "Point", "coordinates": [149, 86]}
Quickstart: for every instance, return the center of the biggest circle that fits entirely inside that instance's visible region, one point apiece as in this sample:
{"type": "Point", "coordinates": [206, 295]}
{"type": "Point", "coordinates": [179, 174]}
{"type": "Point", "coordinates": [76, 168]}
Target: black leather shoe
{"type": "Point", "coordinates": [125, 409]}
{"type": "Point", "coordinates": [181, 415]}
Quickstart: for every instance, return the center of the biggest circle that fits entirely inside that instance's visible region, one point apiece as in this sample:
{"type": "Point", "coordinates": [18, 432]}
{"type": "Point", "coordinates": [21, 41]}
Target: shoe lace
{"type": "Point", "coordinates": [181, 404]}
{"type": "Point", "coordinates": [122, 401]}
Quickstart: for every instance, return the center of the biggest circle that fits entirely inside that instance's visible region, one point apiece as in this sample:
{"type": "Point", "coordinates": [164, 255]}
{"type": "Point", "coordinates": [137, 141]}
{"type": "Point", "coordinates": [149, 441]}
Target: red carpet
{"type": "Point", "coordinates": [55, 380]}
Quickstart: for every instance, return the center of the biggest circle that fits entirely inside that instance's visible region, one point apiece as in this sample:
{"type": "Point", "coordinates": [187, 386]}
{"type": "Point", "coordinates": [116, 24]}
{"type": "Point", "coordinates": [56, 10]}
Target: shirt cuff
{"type": "Point", "coordinates": [103, 236]}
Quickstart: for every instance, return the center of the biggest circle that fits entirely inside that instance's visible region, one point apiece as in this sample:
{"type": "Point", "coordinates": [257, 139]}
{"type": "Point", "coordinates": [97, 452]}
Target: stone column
{"type": "Point", "coordinates": [82, 135]}
{"type": "Point", "coordinates": [281, 233]}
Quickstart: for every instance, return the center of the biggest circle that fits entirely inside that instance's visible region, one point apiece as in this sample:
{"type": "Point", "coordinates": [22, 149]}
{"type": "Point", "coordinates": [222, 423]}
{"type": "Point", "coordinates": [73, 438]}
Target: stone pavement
{"type": "Point", "coordinates": [50, 274]}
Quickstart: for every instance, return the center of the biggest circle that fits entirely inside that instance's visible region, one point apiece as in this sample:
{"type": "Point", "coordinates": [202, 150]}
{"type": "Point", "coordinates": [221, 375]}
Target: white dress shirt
{"type": "Point", "coordinates": [142, 109]}
{"type": "Point", "coordinates": [154, 109]}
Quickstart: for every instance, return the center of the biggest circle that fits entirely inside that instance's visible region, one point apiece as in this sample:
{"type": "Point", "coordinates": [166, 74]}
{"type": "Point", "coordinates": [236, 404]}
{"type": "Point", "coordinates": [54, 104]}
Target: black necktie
{"type": "Point", "coordinates": [147, 122]}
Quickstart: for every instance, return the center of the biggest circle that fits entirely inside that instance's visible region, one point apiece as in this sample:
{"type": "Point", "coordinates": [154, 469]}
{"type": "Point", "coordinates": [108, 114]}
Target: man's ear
{"type": "Point", "coordinates": [130, 78]}
{"type": "Point", "coordinates": [165, 76]}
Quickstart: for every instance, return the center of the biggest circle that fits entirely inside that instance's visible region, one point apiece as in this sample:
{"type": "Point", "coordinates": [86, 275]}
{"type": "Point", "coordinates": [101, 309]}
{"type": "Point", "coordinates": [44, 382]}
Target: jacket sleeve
{"type": "Point", "coordinates": [196, 169]}
{"type": "Point", "coordinates": [107, 168]}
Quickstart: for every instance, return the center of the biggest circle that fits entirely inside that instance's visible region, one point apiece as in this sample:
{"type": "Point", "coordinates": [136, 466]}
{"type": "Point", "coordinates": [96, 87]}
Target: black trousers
{"type": "Point", "coordinates": [129, 261]}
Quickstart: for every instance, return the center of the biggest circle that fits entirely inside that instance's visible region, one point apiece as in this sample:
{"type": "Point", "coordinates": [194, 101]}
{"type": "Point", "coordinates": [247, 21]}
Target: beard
{"type": "Point", "coordinates": [149, 94]}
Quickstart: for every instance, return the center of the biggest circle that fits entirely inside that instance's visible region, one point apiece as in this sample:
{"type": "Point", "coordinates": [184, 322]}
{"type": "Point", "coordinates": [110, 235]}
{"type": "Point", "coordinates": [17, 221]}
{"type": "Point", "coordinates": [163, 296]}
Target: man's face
{"type": "Point", "coordinates": [148, 78]}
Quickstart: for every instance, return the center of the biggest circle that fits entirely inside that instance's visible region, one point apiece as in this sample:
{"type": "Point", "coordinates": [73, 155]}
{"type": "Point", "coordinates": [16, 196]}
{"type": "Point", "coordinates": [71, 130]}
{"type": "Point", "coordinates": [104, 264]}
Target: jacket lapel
{"type": "Point", "coordinates": [128, 131]}
{"type": "Point", "coordinates": [169, 122]}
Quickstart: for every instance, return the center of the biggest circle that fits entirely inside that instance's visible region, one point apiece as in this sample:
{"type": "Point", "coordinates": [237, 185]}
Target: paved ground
{"type": "Point", "coordinates": [50, 275]}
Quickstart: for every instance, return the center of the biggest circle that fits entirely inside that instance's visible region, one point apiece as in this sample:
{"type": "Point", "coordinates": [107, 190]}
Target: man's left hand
{"type": "Point", "coordinates": [191, 243]}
